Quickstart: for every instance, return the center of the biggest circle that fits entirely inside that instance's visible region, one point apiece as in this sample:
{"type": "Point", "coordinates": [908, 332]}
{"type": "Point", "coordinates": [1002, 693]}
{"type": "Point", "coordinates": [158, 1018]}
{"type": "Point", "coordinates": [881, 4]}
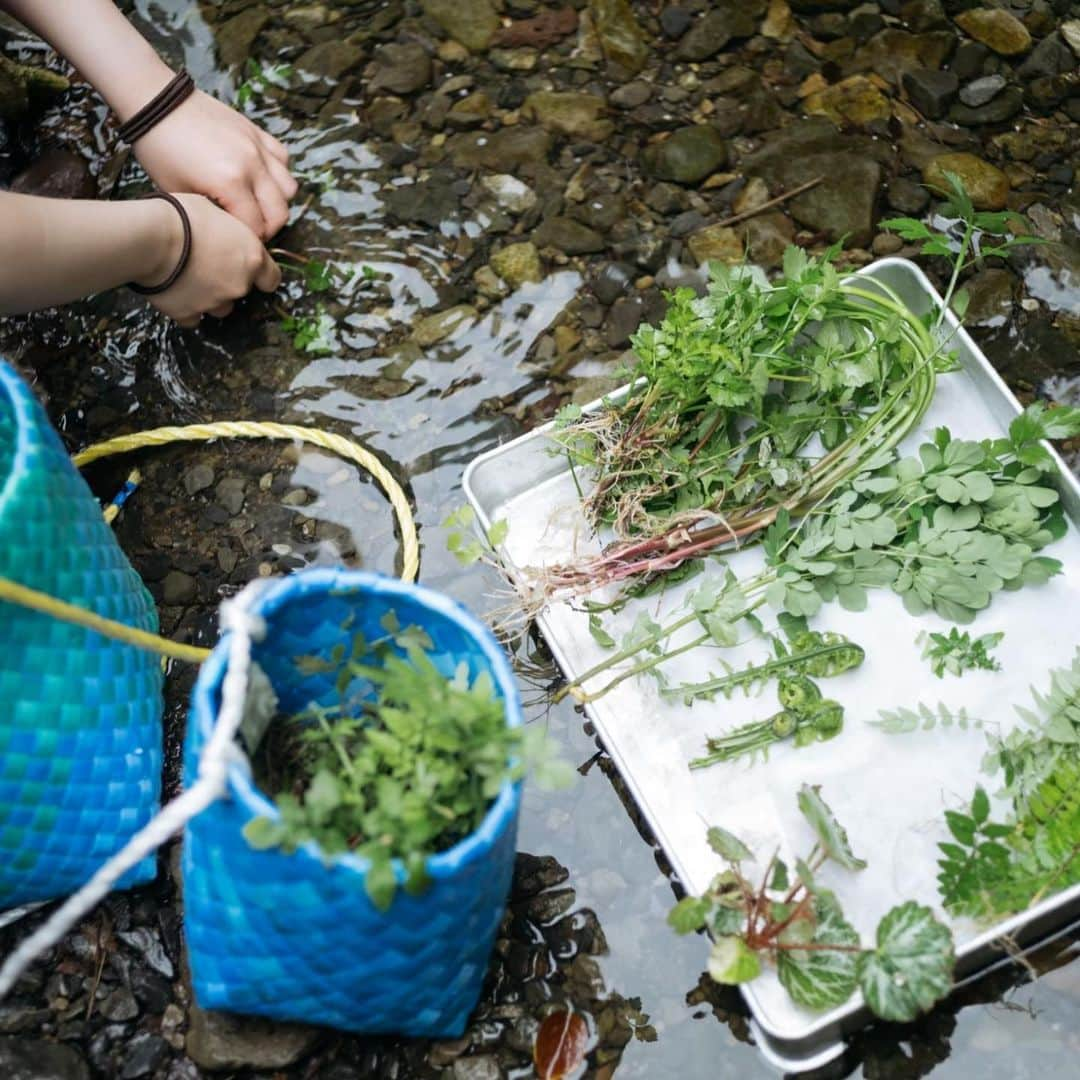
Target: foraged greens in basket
{"type": "Point", "coordinates": [992, 868]}
{"type": "Point", "coordinates": [792, 921]}
{"type": "Point", "coordinates": [944, 529]}
{"type": "Point", "coordinates": [711, 441]}
{"type": "Point", "coordinates": [404, 764]}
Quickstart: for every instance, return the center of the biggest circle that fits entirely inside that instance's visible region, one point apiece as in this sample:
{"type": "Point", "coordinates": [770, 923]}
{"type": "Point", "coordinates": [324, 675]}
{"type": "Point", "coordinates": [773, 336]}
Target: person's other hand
{"type": "Point", "coordinates": [227, 260]}
{"type": "Point", "coordinates": [206, 147]}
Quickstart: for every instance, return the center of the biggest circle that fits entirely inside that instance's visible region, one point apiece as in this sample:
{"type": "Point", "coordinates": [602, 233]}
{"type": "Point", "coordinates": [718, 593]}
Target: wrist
{"type": "Point", "coordinates": [160, 233]}
{"type": "Point", "coordinates": [147, 77]}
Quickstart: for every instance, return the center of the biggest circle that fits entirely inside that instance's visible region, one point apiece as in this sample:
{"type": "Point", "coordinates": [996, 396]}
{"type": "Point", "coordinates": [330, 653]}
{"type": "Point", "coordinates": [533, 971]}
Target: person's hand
{"type": "Point", "coordinates": [227, 261]}
{"type": "Point", "coordinates": [206, 147]}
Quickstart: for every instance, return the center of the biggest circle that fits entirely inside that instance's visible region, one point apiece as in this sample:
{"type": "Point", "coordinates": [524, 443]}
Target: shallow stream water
{"type": "Point", "coordinates": [207, 519]}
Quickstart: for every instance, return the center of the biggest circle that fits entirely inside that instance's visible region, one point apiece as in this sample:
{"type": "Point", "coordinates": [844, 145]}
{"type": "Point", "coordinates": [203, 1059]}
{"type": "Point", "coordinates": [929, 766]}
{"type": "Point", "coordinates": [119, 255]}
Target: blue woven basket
{"type": "Point", "coordinates": [289, 937]}
{"type": "Point", "coordinates": [80, 715]}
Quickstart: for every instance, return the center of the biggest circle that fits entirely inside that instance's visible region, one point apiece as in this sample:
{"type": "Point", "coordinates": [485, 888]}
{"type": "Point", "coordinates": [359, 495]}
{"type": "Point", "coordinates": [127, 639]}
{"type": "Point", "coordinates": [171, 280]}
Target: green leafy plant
{"type": "Point", "coordinates": [801, 928]}
{"type": "Point", "coordinates": [957, 651]}
{"type": "Point", "coordinates": [903, 721]}
{"type": "Point", "coordinates": [991, 868]}
{"type": "Point", "coordinates": [404, 763]}
{"type": "Point", "coordinates": [462, 539]}
{"type": "Point", "coordinates": [975, 235]}
{"type": "Point", "coordinates": [315, 333]}
{"type": "Point", "coordinates": [945, 530]}
{"type": "Point", "coordinates": [257, 77]}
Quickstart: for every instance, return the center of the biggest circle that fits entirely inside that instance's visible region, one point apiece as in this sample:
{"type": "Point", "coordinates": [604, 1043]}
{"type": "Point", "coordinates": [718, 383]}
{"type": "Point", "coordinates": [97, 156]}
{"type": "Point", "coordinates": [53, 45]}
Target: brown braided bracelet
{"type": "Point", "coordinates": [178, 90]}
{"type": "Point", "coordinates": [185, 252]}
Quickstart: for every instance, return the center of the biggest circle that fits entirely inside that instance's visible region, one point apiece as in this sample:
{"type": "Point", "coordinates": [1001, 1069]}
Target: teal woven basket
{"type": "Point", "coordinates": [294, 937]}
{"type": "Point", "coordinates": [80, 715]}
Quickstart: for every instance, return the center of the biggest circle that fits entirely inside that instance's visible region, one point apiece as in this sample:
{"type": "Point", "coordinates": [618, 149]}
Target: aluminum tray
{"type": "Point", "coordinates": [886, 789]}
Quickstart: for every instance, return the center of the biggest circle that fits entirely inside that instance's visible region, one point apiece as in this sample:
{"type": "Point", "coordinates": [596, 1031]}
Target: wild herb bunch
{"type": "Point", "coordinates": [732, 385]}
{"type": "Point", "coordinates": [945, 530]}
{"type": "Point", "coordinates": [405, 764]}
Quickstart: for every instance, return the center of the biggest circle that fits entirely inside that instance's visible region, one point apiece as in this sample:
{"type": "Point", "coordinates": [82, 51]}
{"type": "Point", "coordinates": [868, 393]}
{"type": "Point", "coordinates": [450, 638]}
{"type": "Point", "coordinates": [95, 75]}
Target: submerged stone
{"type": "Point", "coordinates": [854, 102]}
{"type": "Point", "coordinates": [997, 29]}
{"type": "Point", "coordinates": [717, 27]}
{"type": "Point", "coordinates": [508, 148]}
{"type": "Point", "coordinates": [716, 243]}
{"type": "Point", "coordinates": [892, 52]}
{"type": "Point", "coordinates": [517, 264]}
{"type": "Point", "coordinates": [620, 36]}
{"type": "Point", "coordinates": [432, 329]}
{"type": "Point", "coordinates": [471, 22]}
{"type": "Point", "coordinates": [577, 116]}
{"type": "Point", "coordinates": [980, 91]}
{"type": "Point", "coordinates": [570, 236]}
{"type": "Point", "coordinates": [931, 92]}
{"type": "Point", "coordinates": [688, 156]}
{"type": "Point", "coordinates": [987, 185]}
{"type": "Point", "coordinates": [1003, 107]}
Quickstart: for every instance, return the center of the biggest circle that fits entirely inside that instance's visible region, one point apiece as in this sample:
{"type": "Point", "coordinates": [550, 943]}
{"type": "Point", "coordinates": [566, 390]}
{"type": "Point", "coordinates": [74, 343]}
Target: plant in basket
{"type": "Point", "coordinates": [358, 873]}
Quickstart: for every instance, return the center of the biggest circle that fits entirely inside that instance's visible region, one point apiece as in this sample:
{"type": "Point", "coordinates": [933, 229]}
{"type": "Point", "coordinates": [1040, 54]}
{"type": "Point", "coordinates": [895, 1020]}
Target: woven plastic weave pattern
{"type": "Point", "coordinates": [80, 716]}
{"type": "Point", "coordinates": [290, 937]}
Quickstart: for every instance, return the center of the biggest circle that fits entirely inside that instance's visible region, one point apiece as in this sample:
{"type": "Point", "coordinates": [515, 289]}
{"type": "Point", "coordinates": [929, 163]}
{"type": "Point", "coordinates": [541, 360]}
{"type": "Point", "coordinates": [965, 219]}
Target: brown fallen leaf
{"type": "Point", "coordinates": [540, 31]}
{"type": "Point", "coordinates": [560, 1045]}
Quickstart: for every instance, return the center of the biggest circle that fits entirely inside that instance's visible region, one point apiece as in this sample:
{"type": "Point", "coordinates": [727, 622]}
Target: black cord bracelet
{"type": "Point", "coordinates": [175, 93]}
{"type": "Point", "coordinates": [185, 253]}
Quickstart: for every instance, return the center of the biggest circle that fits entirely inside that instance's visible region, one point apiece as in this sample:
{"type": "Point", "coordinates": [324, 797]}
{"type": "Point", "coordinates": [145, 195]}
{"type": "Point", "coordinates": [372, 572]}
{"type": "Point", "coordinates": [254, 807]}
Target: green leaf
{"type": "Point", "coordinates": [728, 846]}
{"type": "Point", "coordinates": [380, 883]}
{"type": "Point", "coordinates": [262, 833]}
{"type": "Point", "coordinates": [821, 978]}
{"type": "Point", "coordinates": [498, 532]}
{"type": "Point", "coordinates": [980, 806]}
{"type": "Point", "coordinates": [599, 634]}
{"type": "Point", "coordinates": [732, 962]}
{"type": "Point", "coordinates": [689, 914]}
{"type": "Point", "coordinates": [911, 969]}
{"type": "Point", "coordinates": [830, 833]}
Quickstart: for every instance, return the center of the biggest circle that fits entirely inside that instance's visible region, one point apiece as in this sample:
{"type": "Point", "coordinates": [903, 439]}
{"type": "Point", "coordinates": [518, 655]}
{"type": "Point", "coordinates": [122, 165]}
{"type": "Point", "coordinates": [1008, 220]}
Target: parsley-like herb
{"type": "Point", "coordinates": [404, 764]}
{"type": "Point", "coordinates": [957, 651]}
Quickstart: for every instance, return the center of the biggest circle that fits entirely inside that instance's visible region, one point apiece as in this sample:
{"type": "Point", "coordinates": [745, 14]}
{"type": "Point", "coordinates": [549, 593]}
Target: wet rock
{"type": "Point", "coordinates": [779, 25]}
{"type": "Point", "coordinates": [625, 317]}
{"type": "Point", "coordinates": [675, 21]}
{"type": "Point", "coordinates": [221, 1041]}
{"type": "Point", "coordinates": [473, 23]}
{"type": "Point", "coordinates": [57, 174]}
{"type": "Point", "coordinates": [968, 60]}
{"type": "Point", "coordinates": [237, 35]}
{"type": "Point", "coordinates": [399, 68]}
{"type": "Point", "coordinates": [34, 1059]}
{"type": "Point", "coordinates": [430, 203]}
{"type": "Point", "coordinates": [726, 20]}
{"type": "Point", "coordinates": [510, 193]}
{"type": "Point", "coordinates": [24, 84]}
{"type": "Point", "coordinates": [812, 7]}
{"type": "Point", "coordinates": [920, 15]}
{"type": "Point", "coordinates": [477, 1067]}
{"type": "Point", "coordinates": [996, 29]}
{"type": "Point", "coordinates": [907, 197]}
{"type": "Point", "coordinates": [178, 588]}
{"type": "Point", "coordinates": [980, 91]}
{"type": "Point", "coordinates": [576, 116]}
{"type": "Point", "coordinates": [886, 244]}
{"type": "Point", "coordinates": [991, 297]}
{"type": "Point", "coordinates": [766, 236]}
{"type": "Point", "coordinates": [508, 148]}
{"type": "Point", "coordinates": [517, 264]}
{"type": "Point", "coordinates": [514, 59]}
{"type": "Point", "coordinates": [1002, 107]}
{"type": "Point", "coordinates": [230, 494]}
{"type": "Point", "coordinates": [853, 102]}
{"type": "Point", "coordinates": [892, 52]}
{"type": "Point", "coordinates": [432, 329]}
{"type": "Point", "coordinates": [17, 1018]}
{"type": "Point", "coordinates": [1052, 56]}
{"type": "Point", "coordinates": [601, 211]}
{"type": "Point", "coordinates": [931, 92]}
{"type": "Point", "coordinates": [716, 242]}
{"type": "Point", "coordinates": [613, 281]}
{"type": "Point", "coordinates": [688, 155]}
{"type": "Point", "coordinates": [621, 38]}
{"type": "Point", "coordinates": [755, 193]}
{"type": "Point", "coordinates": [120, 1005]}
{"type": "Point", "coordinates": [198, 478]}
{"type": "Point", "coordinates": [1047, 92]}
{"type": "Point", "coordinates": [632, 94]}
{"type": "Point", "coordinates": [470, 112]}
{"type": "Point", "coordinates": [330, 60]}
{"type": "Point", "coordinates": [844, 203]}
{"type": "Point", "coordinates": [570, 236]}
{"type": "Point", "coordinates": [1070, 32]}
{"type": "Point", "coordinates": [987, 185]}
{"type": "Point", "coordinates": [144, 1054]}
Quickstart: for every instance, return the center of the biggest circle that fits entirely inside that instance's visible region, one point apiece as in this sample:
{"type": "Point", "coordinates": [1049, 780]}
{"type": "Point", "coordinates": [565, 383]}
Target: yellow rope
{"type": "Point", "coordinates": [237, 429]}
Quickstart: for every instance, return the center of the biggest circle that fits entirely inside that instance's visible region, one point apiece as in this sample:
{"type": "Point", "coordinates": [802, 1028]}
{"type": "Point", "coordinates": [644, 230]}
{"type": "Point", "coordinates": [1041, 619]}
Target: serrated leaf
{"type": "Point", "coordinates": [911, 969]}
{"type": "Point", "coordinates": [821, 978]}
{"type": "Point", "coordinates": [831, 834]}
{"type": "Point", "coordinates": [728, 846]}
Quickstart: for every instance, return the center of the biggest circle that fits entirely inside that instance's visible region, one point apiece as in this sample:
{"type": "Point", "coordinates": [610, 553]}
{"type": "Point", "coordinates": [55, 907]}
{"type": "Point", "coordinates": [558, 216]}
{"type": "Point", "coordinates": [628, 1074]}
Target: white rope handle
{"type": "Point", "coordinates": [208, 787]}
